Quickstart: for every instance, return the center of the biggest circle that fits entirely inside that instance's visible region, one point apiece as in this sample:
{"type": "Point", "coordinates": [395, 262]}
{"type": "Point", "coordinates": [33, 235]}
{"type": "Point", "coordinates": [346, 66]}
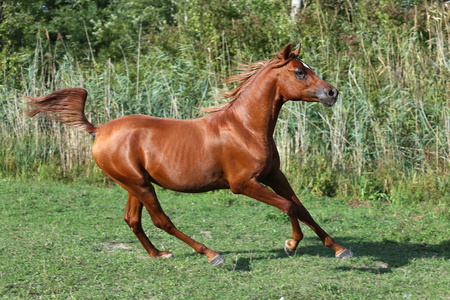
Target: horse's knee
{"type": "Point", "coordinates": [290, 209]}
{"type": "Point", "coordinates": [157, 223]}
{"type": "Point", "coordinates": [133, 223]}
{"type": "Point", "coordinates": [127, 218]}
{"type": "Point", "coordinates": [164, 224]}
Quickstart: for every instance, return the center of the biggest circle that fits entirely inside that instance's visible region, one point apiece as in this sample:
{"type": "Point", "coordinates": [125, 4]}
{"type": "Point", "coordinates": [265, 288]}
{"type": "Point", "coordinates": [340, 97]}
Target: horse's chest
{"type": "Point", "coordinates": [259, 162]}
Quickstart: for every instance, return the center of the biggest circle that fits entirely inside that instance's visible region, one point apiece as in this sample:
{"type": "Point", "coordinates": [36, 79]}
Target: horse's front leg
{"type": "Point", "coordinates": [286, 192]}
{"type": "Point", "coordinates": [278, 182]}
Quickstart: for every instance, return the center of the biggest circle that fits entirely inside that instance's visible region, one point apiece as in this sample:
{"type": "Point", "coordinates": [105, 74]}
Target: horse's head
{"type": "Point", "coordinates": [298, 82]}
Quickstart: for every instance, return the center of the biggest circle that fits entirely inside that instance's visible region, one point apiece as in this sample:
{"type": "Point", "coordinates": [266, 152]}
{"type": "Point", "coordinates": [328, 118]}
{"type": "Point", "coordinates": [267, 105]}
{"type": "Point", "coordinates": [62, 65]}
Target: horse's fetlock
{"type": "Point", "coordinates": [202, 249]}
{"type": "Point", "coordinates": [328, 242]}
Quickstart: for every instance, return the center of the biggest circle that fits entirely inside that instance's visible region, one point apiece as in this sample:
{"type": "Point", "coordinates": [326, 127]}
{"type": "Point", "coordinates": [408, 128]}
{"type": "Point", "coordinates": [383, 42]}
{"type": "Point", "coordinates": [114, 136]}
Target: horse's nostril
{"type": "Point", "coordinates": [333, 93]}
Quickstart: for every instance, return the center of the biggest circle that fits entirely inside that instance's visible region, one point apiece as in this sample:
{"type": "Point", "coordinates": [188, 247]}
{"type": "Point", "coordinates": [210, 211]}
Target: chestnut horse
{"type": "Point", "coordinates": [232, 147]}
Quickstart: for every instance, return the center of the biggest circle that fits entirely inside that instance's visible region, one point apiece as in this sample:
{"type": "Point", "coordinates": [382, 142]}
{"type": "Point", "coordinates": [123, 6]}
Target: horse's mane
{"type": "Point", "coordinates": [245, 79]}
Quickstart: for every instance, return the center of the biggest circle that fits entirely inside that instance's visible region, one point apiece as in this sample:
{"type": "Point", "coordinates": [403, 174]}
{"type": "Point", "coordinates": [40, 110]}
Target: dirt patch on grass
{"type": "Point", "coordinates": [112, 246]}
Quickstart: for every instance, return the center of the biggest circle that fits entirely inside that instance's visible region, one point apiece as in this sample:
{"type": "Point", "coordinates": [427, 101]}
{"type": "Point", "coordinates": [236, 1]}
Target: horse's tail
{"type": "Point", "coordinates": [65, 106]}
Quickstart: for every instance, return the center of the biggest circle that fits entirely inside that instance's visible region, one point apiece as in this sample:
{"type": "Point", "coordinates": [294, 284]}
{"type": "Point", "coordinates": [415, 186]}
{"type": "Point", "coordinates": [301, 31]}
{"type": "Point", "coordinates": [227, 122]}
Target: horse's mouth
{"type": "Point", "coordinates": [328, 102]}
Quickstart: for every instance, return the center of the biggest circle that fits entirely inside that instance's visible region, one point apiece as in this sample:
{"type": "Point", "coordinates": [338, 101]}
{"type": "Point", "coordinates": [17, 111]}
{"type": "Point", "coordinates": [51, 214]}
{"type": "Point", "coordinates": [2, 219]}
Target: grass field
{"type": "Point", "coordinates": [70, 242]}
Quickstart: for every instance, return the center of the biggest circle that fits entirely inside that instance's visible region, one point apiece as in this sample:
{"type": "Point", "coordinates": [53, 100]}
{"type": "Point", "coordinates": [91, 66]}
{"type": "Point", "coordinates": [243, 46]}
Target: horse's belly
{"type": "Point", "coordinates": [191, 181]}
{"type": "Point", "coordinates": [186, 169]}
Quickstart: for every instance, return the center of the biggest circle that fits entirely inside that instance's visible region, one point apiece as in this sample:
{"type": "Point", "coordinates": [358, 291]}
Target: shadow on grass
{"type": "Point", "coordinates": [392, 254]}
{"type": "Point", "coordinates": [386, 255]}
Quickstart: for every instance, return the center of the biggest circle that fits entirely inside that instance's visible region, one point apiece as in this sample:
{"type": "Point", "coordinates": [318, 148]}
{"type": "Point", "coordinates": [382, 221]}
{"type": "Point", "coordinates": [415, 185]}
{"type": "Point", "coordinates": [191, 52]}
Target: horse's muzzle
{"type": "Point", "coordinates": [328, 96]}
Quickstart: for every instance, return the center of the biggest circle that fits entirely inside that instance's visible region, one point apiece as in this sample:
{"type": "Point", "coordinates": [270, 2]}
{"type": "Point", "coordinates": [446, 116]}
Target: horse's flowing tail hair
{"type": "Point", "coordinates": [65, 106]}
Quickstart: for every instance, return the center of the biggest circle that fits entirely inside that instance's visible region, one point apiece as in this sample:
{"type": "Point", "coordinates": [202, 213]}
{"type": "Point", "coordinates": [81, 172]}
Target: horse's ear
{"type": "Point", "coordinates": [297, 51]}
{"type": "Point", "coordinates": [287, 51]}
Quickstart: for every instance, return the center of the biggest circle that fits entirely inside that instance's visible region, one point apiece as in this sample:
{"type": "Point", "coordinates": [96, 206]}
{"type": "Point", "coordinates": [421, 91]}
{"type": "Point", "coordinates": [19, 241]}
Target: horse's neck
{"type": "Point", "coordinates": [258, 107]}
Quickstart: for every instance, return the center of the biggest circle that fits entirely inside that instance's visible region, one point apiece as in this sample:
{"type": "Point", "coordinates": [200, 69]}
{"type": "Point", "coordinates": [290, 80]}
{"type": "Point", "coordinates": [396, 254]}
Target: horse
{"type": "Point", "coordinates": [231, 147]}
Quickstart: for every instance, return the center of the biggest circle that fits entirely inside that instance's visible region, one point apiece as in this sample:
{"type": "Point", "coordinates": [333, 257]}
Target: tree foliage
{"type": "Point", "coordinates": [388, 58]}
{"type": "Point", "coordinates": [115, 29]}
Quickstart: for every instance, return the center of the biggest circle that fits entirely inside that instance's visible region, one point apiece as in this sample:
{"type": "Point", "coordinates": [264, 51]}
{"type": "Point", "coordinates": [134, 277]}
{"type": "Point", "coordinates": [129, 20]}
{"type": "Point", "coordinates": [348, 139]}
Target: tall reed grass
{"type": "Point", "coordinates": [387, 138]}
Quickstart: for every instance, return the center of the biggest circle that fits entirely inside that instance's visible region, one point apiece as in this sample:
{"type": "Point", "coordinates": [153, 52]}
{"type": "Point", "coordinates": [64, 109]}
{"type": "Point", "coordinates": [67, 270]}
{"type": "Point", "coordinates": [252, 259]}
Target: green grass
{"type": "Point", "coordinates": [70, 241]}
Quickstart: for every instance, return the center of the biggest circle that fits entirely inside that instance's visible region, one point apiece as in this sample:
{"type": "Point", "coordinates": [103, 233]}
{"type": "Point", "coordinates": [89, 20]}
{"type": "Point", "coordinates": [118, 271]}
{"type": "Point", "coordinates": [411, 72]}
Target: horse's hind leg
{"type": "Point", "coordinates": [147, 196]}
{"type": "Point", "coordinates": [133, 216]}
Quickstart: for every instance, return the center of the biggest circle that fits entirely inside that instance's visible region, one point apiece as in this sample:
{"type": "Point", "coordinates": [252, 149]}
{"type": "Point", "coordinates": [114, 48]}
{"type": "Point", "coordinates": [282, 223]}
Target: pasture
{"type": "Point", "coordinates": [69, 241]}
{"type": "Point", "coordinates": [373, 170]}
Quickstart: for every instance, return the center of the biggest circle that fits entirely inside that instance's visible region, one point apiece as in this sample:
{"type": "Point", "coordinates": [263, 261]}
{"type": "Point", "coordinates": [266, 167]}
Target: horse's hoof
{"type": "Point", "coordinates": [288, 249]}
{"type": "Point", "coordinates": [345, 254]}
{"type": "Point", "coordinates": [217, 260]}
{"type": "Point", "coordinates": [166, 255]}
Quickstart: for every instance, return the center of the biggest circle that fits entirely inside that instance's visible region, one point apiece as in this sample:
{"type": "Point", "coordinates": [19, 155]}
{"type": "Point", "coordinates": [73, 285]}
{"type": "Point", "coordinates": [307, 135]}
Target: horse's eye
{"type": "Point", "coordinates": [300, 74]}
